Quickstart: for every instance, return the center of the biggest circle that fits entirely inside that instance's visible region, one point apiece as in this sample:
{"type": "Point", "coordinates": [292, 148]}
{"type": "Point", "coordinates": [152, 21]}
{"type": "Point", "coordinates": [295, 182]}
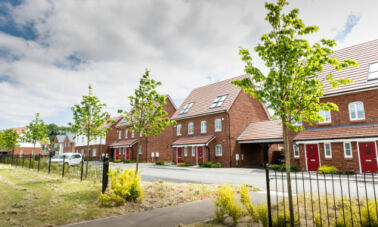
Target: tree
{"type": "Point", "coordinates": [9, 139]}
{"type": "Point", "coordinates": [147, 115]}
{"type": "Point", "coordinates": [291, 88]}
{"type": "Point", "coordinates": [55, 130]}
{"type": "Point", "coordinates": [89, 120]}
{"type": "Point", "coordinates": [36, 131]}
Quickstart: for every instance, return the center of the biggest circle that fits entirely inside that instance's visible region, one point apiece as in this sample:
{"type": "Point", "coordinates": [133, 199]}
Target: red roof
{"type": "Point", "coordinates": [193, 141]}
{"type": "Point", "coordinates": [339, 132]}
{"type": "Point", "coordinates": [124, 143]}
{"type": "Point", "coordinates": [364, 54]}
{"type": "Point", "coordinates": [260, 131]}
{"type": "Point", "coordinates": [203, 97]}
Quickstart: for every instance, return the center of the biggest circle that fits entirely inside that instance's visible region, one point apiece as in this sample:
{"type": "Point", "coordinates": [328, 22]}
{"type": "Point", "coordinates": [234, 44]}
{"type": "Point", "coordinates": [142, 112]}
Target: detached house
{"type": "Point", "coordinates": [348, 138]}
{"type": "Point", "coordinates": [209, 121]}
{"type": "Point", "coordinates": [64, 143]}
{"type": "Point", "coordinates": [125, 145]}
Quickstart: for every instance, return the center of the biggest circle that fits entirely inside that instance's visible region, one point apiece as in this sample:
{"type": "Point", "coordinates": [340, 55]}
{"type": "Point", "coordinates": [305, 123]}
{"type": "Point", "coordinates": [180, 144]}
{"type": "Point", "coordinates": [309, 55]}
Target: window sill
{"type": "Point", "coordinates": [296, 157]}
{"type": "Point", "coordinates": [218, 156]}
{"type": "Point", "coordinates": [357, 121]}
{"type": "Point", "coordinates": [218, 131]}
{"type": "Point", "coordinates": [348, 158]}
{"type": "Point", "coordinates": [328, 158]}
{"type": "Point", "coordinates": [325, 124]}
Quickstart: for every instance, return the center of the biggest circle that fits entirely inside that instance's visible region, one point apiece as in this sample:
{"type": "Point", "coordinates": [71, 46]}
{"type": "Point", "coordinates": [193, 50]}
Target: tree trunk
{"type": "Point", "coordinates": [288, 177]}
{"type": "Point", "coordinates": [87, 155]}
{"type": "Point", "coordinates": [137, 159]}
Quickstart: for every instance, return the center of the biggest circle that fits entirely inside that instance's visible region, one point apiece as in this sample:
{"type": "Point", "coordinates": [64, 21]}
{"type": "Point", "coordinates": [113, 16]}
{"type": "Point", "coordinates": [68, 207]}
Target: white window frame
{"type": "Point", "coordinates": [126, 133]}
{"type": "Point", "coordinates": [373, 72]}
{"type": "Point", "coordinates": [140, 150]}
{"type": "Point", "coordinates": [218, 124]}
{"type": "Point", "coordinates": [190, 128]}
{"type": "Point", "coordinates": [353, 106]}
{"type": "Point", "coordinates": [203, 126]}
{"type": "Point", "coordinates": [94, 151]}
{"type": "Point", "coordinates": [185, 151]}
{"type": "Point", "coordinates": [325, 150]}
{"type": "Point", "coordinates": [218, 102]}
{"type": "Point", "coordinates": [186, 108]}
{"type": "Point", "coordinates": [119, 134]}
{"type": "Point", "coordinates": [218, 150]}
{"type": "Point", "coordinates": [193, 151]}
{"type": "Point", "coordinates": [179, 127]}
{"type": "Point", "coordinates": [324, 116]}
{"type": "Point", "coordinates": [351, 150]}
{"type": "Point", "coordinates": [296, 151]}
{"type": "Point", "coordinates": [296, 123]}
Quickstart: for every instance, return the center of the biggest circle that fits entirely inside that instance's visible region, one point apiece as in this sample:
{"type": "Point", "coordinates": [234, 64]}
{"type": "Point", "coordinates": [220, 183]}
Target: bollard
{"type": "Point", "coordinates": [50, 162]}
{"type": "Point", "coordinates": [82, 165]}
{"type": "Point", "coordinates": [64, 163]}
{"type": "Point", "coordinates": [105, 170]}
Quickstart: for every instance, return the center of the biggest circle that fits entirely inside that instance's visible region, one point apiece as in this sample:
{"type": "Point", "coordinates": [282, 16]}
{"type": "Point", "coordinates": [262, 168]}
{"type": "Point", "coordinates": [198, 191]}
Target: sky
{"type": "Point", "coordinates": [51, 50]}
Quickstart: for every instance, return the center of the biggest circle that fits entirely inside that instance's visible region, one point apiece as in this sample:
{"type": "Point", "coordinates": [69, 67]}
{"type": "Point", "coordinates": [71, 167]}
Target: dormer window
{"type": "Point", "coordinates": [186, 108]}
{"type": "Point", "coordinates": [373, 71]}
{"type": "Point", "coordinates": [218, 101]}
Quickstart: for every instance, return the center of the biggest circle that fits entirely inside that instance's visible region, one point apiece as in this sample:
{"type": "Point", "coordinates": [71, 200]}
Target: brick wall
{"type": "Point", "coordinates": [26, 150]}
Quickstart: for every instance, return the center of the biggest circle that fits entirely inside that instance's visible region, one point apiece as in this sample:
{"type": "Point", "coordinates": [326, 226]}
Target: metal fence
{"type": "Point", "coordinates": [324, 199]}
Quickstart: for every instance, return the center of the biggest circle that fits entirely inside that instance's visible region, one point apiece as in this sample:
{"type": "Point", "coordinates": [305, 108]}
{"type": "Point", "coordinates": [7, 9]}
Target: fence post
{"type": "Point", "coordinates": [50, 161]}
{"type": "Point", "coordinates": [33, 157]}
{"type": "Point", "coordinates": [12, 159]}
{"type": "Point", "coordinates": [30, 161]}
{"type": "Point", "coordinates": [23, 161]}
{"type": "Point", "coordinates": [266, 148]}
{"type": "Point", "coordinates": [105, 170]}
{"type": "Point", "coordinates": [82, 165]}
{"type": "Point", "coordinates": [64, 162]}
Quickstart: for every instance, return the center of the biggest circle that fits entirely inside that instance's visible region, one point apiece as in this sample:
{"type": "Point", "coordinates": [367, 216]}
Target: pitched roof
{"type": "Point", "coordinates": [203, 97]}
{"type": "Point", "coordinates": [364, 54]}
{"type": "Point", "coordinates": [203, 140]}
{"type": "Point", "coordinates": [124, 143]}
{"type": "Point", "coordinates": [116, 120]}
{"type": "Point", "coordinates": [60, 138]}
{"type": "Point", "coordinates": [269, 130]}
{"type": "Point", "coordinates": [70, 137]}
{"type": "Point", "coordinates": [339, 132]}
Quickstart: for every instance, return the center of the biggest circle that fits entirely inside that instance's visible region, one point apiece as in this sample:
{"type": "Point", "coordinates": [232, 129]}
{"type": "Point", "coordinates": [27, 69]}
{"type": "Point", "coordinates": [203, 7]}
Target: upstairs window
{"type": "Point", "coordinates": [218, 125]}
{"type": "Point", "coordinates": [296, 123]}
{"type": "Point", "coordinates": [373, 71]}
{"type": "Point", "coordinates": [356, 111]}
{"type": "Point", "coordinates": [132, 134]}
{"type": "Point", "coordinates": [186, 108]}
{"type": "Point", "coordinates": [119, 134]}
{"type": "Point", "coordinates": [203, 126]}
{"type": "Point", "coordinates": [179, 127]}
{"type": "Point", "coordinates": [126, 133]}
{"type": "Point", "coordinates": [326, 115]}
{"type": "Point", "coordinates": [190, 128]}
{"type": "Point", "coordinates": [218, 101]}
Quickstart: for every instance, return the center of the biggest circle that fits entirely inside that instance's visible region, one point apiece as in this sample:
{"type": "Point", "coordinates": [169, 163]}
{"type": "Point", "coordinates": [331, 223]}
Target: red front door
{"type": "Point", "coordinates": [116, 153]}
{"type": "Point", "coordinates": [312, 154]}
{"type": "Point", "coordinates": [127, 153]}
{"type": "Point", "coordinates": [368, 157]}
{"type": "Point", "coordinates": [200, 154]}
{"type": "Point", "coordinates": [179, 155]}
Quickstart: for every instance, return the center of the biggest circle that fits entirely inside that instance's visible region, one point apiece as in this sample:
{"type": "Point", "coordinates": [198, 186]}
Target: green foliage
{"type": "Point", "coordinates": [9, 139]}
{"type": "Point", "coordinates": [245, 199]}
{"type": "Point", "coordinates": [226, 204]}
{"type": "Point", "coordinates": [54, 130]}
{"type": "Point", "coordinates": [262, 214]}
{"type": "Point", "coordinates": [328, 169]}
{"type": "Point", "coordinates": [36, 131]}
{"type": "Point", "coordinates": [125, 186]}
{"type": "Point", "coordinates": [282, 167]}
{"type": "Point", "coordinates": [209, 164]}
{"type": "Point", "coordinates": [159, 163]}
{"type": "Point", "coordinates": [183, 164]}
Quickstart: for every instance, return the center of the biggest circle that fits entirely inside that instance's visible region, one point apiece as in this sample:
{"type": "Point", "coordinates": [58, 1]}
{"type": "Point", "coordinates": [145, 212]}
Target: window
{"type": "Point", "coordinates": [119, 134]}
{"type": "Point", "coordinates": [218, 125]}
{"type": "Point", "coordinates": [193, 151]}
{"type": "Point", "coordinates": [326, 115]}
{"type": "Point", "coordinates": [186, 108]}
{"type": "Point", "coordinates": [296, 123]}
{"type": "Point", "coordinates": [126, 133]}
{"type": "Point", "coordinates": [203, 126]}
{"type": "Point", "coordinates": [190, 128]}
{"type": "Point", "coordinates": [327, 150]}
{"type": "Point", "coordinates": [140, 150]}
{"type": "Point", "coordinates": [179, 130]}
{"type": "Point", "coordinates": [94, 152]}
{"type": "Point", "coordinates": [356, 111]}
{"type": "Point", "coordinates": [296, 150]}
{"type": "Point", "coordinates": [347, 150]}
{"type": "Point", "coordinates": [132, 134]}
{"type": "Point", "coordinates": [218, 150]}
{"type": "Point", "coordinates": [186, 151]}
{"type": "Point", "coordinates": [373, 71]}
{"type": "Point", "coordinates": [218, 101]}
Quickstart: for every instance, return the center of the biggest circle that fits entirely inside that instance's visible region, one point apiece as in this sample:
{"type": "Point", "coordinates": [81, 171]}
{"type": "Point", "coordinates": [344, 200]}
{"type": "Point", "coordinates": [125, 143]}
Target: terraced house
{"type": "Point", "coordinates": [209, 121]}
{"type": "Point", "coordinates": [124, 145]}
{"type": "Point", "coordinates": [348, 138]}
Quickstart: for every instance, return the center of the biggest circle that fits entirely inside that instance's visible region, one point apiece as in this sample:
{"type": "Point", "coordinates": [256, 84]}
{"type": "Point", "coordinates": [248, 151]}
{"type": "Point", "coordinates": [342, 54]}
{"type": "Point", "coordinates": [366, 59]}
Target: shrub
{"type": "Point", "coordinates": [125, 186]}
{"type": "Point", "coordinates": [282, 167]}
{"type": "Point", "coordinates": [209, 164]}
{"type": "Point", "coordinates": [262, 214]}
{"type": "Point", "coordinates": [226, 203]}
{"type": "Point", "coordinates": [328, 169]}
{"type": "Point", "coordinates": [183, 164]}
{"type": "Point", "coordinates": [118, 160]}
{"type": "Point", "coordinates": [245, 199]}
{"type": "Point", "coordinates": [159, 163]}
{"type": "Point", "coordinates": [127, 161]}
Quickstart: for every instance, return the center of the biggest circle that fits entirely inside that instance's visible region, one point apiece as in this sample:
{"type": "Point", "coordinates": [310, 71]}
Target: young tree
{"type": "Point", "coordinates": [9, 139]}
{"type": "Point", "coordinates": [147, 115]}
{"type": "Point", "coordinates": [89, 120]}
{"type": "Point", "coordinates": [35, 132]}
{"type": "Point", "coordinates": [291, 88]}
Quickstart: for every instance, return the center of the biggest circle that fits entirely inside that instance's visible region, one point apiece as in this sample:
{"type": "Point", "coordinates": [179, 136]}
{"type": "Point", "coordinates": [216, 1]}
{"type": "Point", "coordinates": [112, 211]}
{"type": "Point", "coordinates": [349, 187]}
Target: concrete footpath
{"type": "Point", "coordinates": [186, 213]}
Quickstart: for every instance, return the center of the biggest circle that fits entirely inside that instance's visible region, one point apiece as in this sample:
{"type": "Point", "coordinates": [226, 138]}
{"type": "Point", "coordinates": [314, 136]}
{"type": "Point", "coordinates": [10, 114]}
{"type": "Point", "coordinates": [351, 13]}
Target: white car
{"type": "Point", "coordinates": [69, 158]}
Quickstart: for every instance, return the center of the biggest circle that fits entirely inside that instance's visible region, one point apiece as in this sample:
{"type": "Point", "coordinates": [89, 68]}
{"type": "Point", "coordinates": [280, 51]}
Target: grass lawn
{"type": "Point", "coordinates": [29, 198]}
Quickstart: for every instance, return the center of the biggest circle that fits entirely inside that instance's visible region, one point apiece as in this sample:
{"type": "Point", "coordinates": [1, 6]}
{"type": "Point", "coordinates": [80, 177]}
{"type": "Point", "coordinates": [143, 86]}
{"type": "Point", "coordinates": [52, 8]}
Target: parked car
{"type": "Point", "coordinates": [69, 158]}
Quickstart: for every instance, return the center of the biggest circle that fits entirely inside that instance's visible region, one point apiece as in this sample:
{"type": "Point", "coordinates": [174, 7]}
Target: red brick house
{"type": "Point", "coordinates": [25, 148]}
{"type": "Point", "coordinates": [348, 138]}
{"type": "Point", "coordinates": [124, 145]}
{"type": "Point", "coordinates": [209, 121]}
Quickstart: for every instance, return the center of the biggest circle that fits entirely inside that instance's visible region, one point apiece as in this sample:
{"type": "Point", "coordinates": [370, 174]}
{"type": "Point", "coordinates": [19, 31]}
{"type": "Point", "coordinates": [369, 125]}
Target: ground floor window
{"type": "Point", "coordinates": [140, 150]}
{"type": "Point", "coordinates": [296, 150]}
{"type": "Point", "coordinates": [185, 151]}
{"type": "Point", "coordinates": [347, 150]}
{"type": "Point", "coordinates": [193, 151]}
{"type": "Point", "coordinates": [94, 152]}
{"type": "Point", "coordinates": [218, 150]}
{"type": "Point", "coordinates": [327, 150]}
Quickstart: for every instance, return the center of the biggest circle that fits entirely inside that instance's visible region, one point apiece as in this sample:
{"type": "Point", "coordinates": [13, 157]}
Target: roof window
{"type": "Point", "coordinates": [373, 71]}
{"type": "Point", "coordinates": [186, 108]}
{"type": "Point", "coordinates": [218, 101]}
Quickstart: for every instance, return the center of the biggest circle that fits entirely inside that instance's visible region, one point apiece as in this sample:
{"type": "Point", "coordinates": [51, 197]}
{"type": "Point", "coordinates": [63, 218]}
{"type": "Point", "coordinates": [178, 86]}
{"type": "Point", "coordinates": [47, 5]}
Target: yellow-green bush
{"type": "Point", "coordinates": [328, 169]}
{"type": "Point", "coordinates": [262, 214]}
{"type": "Point", "coordinates": [125, 186]}
{"type": "Point", "coordinates": [245, 199]}
{"type": "Point", "coordinates": [226, 203]}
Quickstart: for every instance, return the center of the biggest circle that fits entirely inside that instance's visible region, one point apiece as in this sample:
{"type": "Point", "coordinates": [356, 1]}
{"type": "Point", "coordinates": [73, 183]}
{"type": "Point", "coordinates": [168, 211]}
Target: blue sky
{"type": "Point", "coordinates": [50, 51]}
